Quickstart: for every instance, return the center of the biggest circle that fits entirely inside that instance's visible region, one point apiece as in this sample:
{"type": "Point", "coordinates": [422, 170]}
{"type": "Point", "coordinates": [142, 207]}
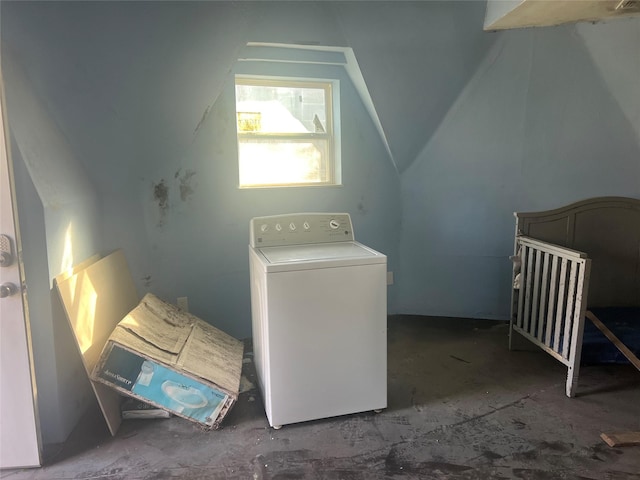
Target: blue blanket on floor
{"type": "Point", "coordinates": [624, 322]}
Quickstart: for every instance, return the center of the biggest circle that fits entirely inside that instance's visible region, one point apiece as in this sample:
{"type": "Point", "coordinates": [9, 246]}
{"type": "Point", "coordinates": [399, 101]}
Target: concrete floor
{"type": "Point", "coordinates": [461, 406]}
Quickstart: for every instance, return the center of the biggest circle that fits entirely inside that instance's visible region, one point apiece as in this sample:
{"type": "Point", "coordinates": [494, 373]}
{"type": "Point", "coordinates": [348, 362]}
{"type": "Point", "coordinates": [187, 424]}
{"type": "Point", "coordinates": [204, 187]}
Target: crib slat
{"type": "Point", "coordinates": [568, 321]}
{"type": "Point", "coordinates": [553, 283]}
{"type": "Point", "coordinates": [543, 297]}
{"type": "Point", "coordinates": [560, 305]}
{"type": "Point", "coordinates": [527, 299]}
{"type": "Point", "coordinates": [578, 326]}
{"type": "Point", "coordinates": [523, 266]}
{"type": "Point", "coordinates": [535, 299]}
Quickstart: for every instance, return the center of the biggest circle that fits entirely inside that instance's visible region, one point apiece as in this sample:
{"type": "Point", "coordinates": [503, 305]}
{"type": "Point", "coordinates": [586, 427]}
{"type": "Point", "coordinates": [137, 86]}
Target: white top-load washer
{"type": "Point", "coordinates": [319, 317]}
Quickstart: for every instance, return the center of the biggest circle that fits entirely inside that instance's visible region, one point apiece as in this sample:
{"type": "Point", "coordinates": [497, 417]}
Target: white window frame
{"type": "Point", "coordinates": [331, 134]}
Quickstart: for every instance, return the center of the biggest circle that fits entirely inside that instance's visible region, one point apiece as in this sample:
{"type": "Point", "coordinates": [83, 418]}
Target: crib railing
{"type": "Point", "coordinates": [549, 302]}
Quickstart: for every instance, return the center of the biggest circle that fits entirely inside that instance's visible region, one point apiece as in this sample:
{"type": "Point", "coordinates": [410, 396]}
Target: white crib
{"type": "Point", "coordinates": [566, 260]}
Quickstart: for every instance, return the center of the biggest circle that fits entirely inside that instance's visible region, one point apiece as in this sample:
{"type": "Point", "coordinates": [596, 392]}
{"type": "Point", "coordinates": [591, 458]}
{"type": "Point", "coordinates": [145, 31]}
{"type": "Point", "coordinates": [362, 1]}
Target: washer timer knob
{"type": "Point", "coordinates": [334, 224]}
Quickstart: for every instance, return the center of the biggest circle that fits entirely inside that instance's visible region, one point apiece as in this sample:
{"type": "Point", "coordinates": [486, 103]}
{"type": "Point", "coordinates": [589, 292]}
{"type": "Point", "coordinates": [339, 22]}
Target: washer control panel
{"type": "Point", "coordinates": [300, 228]}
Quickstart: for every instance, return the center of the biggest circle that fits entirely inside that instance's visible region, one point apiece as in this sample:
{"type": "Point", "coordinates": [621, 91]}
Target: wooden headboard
{"type": "Point", "coordinates": [605, 228]}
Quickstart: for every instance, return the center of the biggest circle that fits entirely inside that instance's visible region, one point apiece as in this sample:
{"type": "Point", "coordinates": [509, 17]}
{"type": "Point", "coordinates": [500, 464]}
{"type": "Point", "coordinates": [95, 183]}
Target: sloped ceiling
{"type": "Point", "coordinates": [415, 57]}
{"type": "Point", "coordinates": [129, 82]}
{"type": "Point", "coordinates": [119, 77]}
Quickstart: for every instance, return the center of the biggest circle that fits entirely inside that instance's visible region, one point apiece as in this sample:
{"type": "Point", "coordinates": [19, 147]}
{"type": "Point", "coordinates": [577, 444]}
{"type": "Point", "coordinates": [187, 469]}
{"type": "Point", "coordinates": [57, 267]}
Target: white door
{"type": "Point", "coordinates": [19, 432]}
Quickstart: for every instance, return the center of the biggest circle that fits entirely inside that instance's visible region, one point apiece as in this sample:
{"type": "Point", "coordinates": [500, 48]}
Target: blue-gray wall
{"type": "Point", "coordinates": [478, 125]}
{"type": "Point", "coordinates": [60, 226]}
{"type": "Point", "coordinates": [198, 241]}
{"type": "Point", "coordinates": [416, 57]}
{"type": "Point", "coordinates": [153, 106]}
{"type": "Point", "coordinates": [536, 127]}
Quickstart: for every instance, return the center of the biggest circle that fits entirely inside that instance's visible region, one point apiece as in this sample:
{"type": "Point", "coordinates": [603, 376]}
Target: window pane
{"type": "Point", "coordinates": [275, 109]}
{"type": "Point", "coordinates": [266, 161]}
{"type": "Point", "coordinates": [285, 131]}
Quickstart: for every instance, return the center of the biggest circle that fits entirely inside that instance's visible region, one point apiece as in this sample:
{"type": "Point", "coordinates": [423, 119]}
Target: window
{"type": "Point", "coordinates": [286, 132]}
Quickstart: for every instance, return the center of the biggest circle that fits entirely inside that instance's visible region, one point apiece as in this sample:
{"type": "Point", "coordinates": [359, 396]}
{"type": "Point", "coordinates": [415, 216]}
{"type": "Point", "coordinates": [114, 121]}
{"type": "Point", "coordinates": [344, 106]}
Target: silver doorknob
{"type": "Point", "coordinates": [8, 289]}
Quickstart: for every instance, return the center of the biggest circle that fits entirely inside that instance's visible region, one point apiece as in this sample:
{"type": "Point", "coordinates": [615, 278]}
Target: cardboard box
{"type": "Point", "coordinates": [132, 408]}
{"type": "Point", "coordinates": [174, 361]}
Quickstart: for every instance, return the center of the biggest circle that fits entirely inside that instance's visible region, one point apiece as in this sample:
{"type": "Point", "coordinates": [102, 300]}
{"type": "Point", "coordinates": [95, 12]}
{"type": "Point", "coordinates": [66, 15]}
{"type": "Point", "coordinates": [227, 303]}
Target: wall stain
{"type": "Point", "coordinates": [161, 196]}
{"type": "Point", "coordinates": [204, 117]}
{"type": "Point", "coordinates": [187, 185]}
{"type": "Point", "coordinates": [147, 281]}
{"type": "Point", "coordinates": [362, 206]}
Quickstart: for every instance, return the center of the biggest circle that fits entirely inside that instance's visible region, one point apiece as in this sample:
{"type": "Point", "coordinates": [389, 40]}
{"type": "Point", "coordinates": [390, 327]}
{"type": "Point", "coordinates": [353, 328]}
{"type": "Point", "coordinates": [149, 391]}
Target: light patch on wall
{"type": "Point", "coordinates": [86, 308]}
{"type": "Point", "coordinates": [67, 253]}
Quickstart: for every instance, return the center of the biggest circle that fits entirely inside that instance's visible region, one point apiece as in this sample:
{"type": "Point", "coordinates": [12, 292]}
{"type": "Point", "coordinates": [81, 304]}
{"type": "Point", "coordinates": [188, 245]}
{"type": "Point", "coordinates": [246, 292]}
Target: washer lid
{"type": "Point", "coordinates": [317, 251]}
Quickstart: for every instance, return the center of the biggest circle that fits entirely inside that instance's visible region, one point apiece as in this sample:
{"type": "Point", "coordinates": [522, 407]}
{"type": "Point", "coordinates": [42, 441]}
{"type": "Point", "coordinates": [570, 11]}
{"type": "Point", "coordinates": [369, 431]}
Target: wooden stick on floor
{"type": "Point", "coordinates": [623, 439]}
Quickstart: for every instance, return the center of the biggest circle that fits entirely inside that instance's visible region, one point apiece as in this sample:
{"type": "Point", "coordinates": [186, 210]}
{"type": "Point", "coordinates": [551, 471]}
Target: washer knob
{"type": "Point", "coordinates": [264, 227]}
{"type": "Point", "coordinates": [278, 227]}
{"type": "Point", "coordinates": [292, 226]}
{"type": "Point", "coordinates": [334, 224]}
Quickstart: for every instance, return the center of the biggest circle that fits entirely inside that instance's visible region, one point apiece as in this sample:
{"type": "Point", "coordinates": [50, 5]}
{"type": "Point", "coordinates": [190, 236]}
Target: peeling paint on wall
{"type": "Point", "coordinates": [186, 183]}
